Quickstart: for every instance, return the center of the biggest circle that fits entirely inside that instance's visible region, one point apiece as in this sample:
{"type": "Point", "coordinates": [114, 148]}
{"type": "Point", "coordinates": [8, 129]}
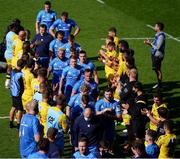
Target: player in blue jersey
{"type": "Point", "coordinates": [64, 24]}
{"type": "Point", "coordinates": [77, 102]}
{"type": "Point", "coordinates": [70, 75]}
{"type": "Point", "coordinates": [71, 44]}
{"type": "Point", "coordinates": [110, 109]}
{"type": "Point", "coordinates": [158, 51]}
{"type": "Point", "coordinates": [43, 147]}
{"type": "Point", "coordinates": [10, 37]}
{"type": "Point", "coordinates": [86, 64]}
{"type": "Point", "coordinates": [93, 92]}
{"type": "Point", "coordinates": [29, 131]}
{"type": "Point", "coordinates": [56, 66]}
{"type": "Point", "coordinates": [83, 151]}
{"type": "Point", "coordinates": [56, 44]}
{"type": "Point", "coordinates": [17, 89]}
{"type": "Point", "coordinates": [46, 16]}
{"type": "Point", "coordinates": [152, 148]}
{"type": "Point", "coordinates": [57, 119]}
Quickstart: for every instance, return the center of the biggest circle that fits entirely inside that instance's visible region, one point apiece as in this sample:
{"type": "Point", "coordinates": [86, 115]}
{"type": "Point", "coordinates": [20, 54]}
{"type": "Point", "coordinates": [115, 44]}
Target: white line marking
{"type": "Point", "coordinates": [170, 36]}
{"type": "Point", "coordinates": [139, 38]}
{"type": "Point", "coordinates": [100, 1]}
{"type": "Point", "coordinates": [4, 117]}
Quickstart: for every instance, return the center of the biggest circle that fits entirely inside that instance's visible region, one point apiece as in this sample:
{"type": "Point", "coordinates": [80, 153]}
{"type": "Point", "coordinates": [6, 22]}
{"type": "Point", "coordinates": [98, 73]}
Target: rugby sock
{"type": "Point", "coordinates": [8, 76]}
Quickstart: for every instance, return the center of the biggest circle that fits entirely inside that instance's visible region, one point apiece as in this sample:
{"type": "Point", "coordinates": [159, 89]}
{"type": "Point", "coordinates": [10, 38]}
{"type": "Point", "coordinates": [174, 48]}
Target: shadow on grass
{"type": "Point", "coordinates": [171, 97]}
{"type": "Point", "coordinates": [94, 58]}
{"type": "Point", "coordinates": [166, 90]}
{"type": "Point", "coordinates": [100, 68]}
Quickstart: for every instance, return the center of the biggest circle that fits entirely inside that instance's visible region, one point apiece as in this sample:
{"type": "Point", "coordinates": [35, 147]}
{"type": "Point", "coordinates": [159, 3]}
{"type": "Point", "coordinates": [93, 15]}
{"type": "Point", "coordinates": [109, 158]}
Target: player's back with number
{"type": "Point", "coordinates": [28, 129]}
{"type": "Point", "coordinates": [53, 116]}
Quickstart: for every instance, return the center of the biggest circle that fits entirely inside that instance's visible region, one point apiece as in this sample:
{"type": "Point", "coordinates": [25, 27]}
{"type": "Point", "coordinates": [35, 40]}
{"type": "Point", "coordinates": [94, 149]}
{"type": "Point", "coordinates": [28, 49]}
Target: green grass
{"type": "Point", "coordinates": [130, 18]}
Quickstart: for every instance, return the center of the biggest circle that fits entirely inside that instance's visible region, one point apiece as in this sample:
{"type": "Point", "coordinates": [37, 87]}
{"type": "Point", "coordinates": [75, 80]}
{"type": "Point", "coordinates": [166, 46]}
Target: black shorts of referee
{"type": "Point", "coordinates": [156, 63]}
{"type": "Point", "coordinates": [17, 103]}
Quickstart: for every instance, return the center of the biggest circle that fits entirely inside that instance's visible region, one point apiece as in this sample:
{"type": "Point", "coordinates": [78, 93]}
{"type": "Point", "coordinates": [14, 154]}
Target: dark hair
{"type": "Point", "coordinates": [85, 99]}
{"type": "Point", "coordinates": [82, 52]}
{"type": "Point", "coordinates": [16, 21]}
{"type": "Point", "coordinates": [60, 32]}
{"type": "Point", "coordinates": [72, 49]}
{"type": "Point", "coordinates": [87, 70]}
{"type": "Point", "coordinates": [111, 43]}
{"type": "Point", "coordinates": [163, 112]}
{"type": "Point", "coordinates": [130, 61]}
{"type": "Point", "coordinates": [64, 14]}
{"type": "Point", "coordinates": [43, 26]}
{"type": "Point", "coordinates": [28, 33]}
{"type": "Point", "coordinates": [19, 28]}
{"type": "Point", "coordinates": [26, 47]}
{"type": "Point", "coordinates": [47, 3]}
{"type": "Point", "coordinates": [73, 57]}
{"type": "Point", "coordinates": [44, 145]}
{"type": "Point", "coordinates": [152, 134]}
{"type": "Point", "coordinates": [43, 85]}
{"type": "Point", "coordinates": [158, 95]}
{"type": "Point", "coordinates": [139, 145]}
{"type": "Point", "coordinates": [113, 29]}
{"type": "Point", "coordinates": [27, 43]}
{"type": "Point", "coordinates": [20, 63]}
{"type": "Point", "coordinates": [138, 85]}
{"type": "Point", "coordinates": [124, 43]}
{"type": "Point", "coordinates": [51, 133]}
{"type": "Point", "coordinates": [13, 26]}
{"type": "Point", "coordinates": [108, 89]}
{"type": "Point", "coordinates": [83, 139]}
{"type": "Point", "coordinates": [160, 25]}
{"type": "Point", "coordinates": [71, 37]}
{"type": "Point", "coordinates": [168, 124]}
{"type": "Point", "coordinates": [25, 57]}
{"type": "Point", "coordinates": [42, 72]}
{"type": "Point", "coordinates": [60, 100]}
{"type": "Point", "coordinates": [46, 95]}
{"type": "Point", "coordinates": [30, 63]}
{"type": "Point", "coordinates": [110, 38]}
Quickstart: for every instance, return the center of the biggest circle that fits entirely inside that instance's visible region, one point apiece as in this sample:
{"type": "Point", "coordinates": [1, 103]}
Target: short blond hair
{"type": "Point", "coordinates": [133, 72]}
{"type": "Point", "coordinates": [32, 105]}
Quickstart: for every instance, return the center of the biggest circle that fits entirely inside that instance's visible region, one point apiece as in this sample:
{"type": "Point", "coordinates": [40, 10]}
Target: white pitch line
{"type": "Point", "coordinates": [170, 36]}
{"type": "Point", "coordinates": [139, 38]}
{"type": "Point", "coordinates": [100, 1]}
{"type": "Point", "coordinates": [4, 117]}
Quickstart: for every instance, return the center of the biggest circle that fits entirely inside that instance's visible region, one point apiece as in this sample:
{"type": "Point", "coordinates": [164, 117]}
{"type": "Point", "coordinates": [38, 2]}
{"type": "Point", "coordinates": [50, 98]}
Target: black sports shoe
{"type": "Point", "coordinates": [17, 127]}
{"type": "Point", "coordinates": [11, 125]}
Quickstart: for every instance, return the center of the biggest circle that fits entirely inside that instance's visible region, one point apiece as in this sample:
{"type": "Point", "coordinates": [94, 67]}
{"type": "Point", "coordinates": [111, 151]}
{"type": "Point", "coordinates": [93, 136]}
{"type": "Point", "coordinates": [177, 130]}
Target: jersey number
{"type": "Point", "coordinates": [51, 119]}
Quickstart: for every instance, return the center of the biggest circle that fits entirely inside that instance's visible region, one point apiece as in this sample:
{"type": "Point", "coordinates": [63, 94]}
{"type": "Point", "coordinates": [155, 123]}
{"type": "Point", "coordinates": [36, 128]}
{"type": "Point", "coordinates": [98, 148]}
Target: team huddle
{"type": "Point", "coordinates": [55, 90]}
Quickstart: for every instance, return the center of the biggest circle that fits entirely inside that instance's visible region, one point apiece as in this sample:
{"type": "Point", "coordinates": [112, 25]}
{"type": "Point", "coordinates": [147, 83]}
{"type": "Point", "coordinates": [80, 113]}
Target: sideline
{"type": "Point", "coordinates": [100, 1]}
{"type": "Point", "coordinates": [170, 36]}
